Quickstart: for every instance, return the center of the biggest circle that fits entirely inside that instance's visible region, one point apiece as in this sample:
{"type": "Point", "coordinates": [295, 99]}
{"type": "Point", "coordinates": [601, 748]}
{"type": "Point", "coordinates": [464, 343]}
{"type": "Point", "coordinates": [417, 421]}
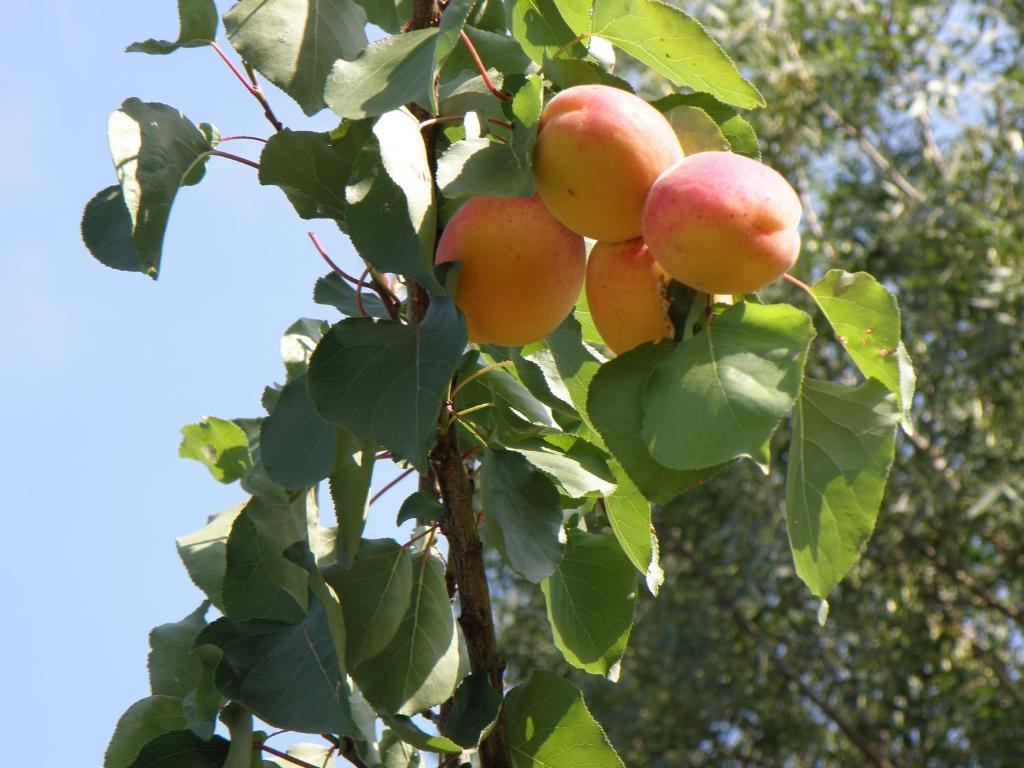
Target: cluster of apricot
{"type": "Point", "coordinates": [609, 167]}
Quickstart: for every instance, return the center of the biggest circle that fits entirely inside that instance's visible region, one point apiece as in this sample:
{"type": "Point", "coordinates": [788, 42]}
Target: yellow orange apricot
{"type": "Point", "coordinates": [599, 149]}
{"type": "Point", "coordinates": [722, 223]}
{"type": "Point", "coordinates": [626, 295]}
{"type": "Point", "coordinates": [521, 272]}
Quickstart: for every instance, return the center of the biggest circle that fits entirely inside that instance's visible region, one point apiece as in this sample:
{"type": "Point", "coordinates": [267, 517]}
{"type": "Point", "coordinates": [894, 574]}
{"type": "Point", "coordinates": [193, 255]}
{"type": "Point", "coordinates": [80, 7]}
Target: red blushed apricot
{"type": "Point", "coordinates": [521, 273]}
{"type": "Point", "coordinates": [599, 149]}
{"type": "Point", "coordinates": [626, 295]}
{"type": "Point", "coordinates": [722, 223]}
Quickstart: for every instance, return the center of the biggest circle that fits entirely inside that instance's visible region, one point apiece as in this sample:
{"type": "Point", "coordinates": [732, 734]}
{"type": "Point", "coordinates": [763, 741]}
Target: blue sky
{"type": "Point", "coordinates": [102, 368]}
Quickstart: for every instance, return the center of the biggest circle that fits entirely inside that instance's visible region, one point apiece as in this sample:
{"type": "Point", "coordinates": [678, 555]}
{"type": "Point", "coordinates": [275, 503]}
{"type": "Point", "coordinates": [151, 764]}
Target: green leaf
{"type": "Point", "coordinates": [724, 391]}
{"type": "Point", "coordinates": [667, 40]}
{"type": "Point", "coordinates": [522, 513]}
{"type": "Point", "coordinates": [474, 711]}
{"type": "Point", "coordinates": [141, 723]}
{"type": "Point", "coordinates": [202, 704]}
{"type": "Point", "coordinates": [539, 28]}
{"type": "Point", "coordinates": [297, 345]}
{"type": "Point", "coordinates": [239, 724]}
{"type": "Point", "coordinates": [629, 514]}
{"type": "Point", "coordinates": [294, 43]}
{"type": "Point", "coordinates": [866, 319]}
{"type": "Point", "coordinates": [107, 231]}
{"type": "Point", "coordinates": [297, 446]}
{"type": "Point", "coordinates": [549, 727]}
{"type": "Point", "coordinates": [349, 484]}
{"type": "Point", "coordinates": [696, 131]}
{"type": "Point", "coordinates": [406, 729]}
{"type": "Point", "coordinates": [198, 26]}
{"type": "Point", "coordinates": [156, 150]}
{"type": "Point", "coordinates": [590, 600]}
{"type": "Point", "coordinates": [182, 749]}
{"type": "Point", "coordinates": [173, 670]}
{"type": "Point", "coordinates": [481, 166]}
{"type": "Point", "coordinates": [453, 20]}
{"type": "Point", "coordinates": [289, 675]}
{"type": "Point", "coordinates": [389, 15]}
{"type": "Point", "coordinates": [389, 200]}
{"type": "Point", "coordinates": [420, 506]}
{"type": "Point", "coordinates": [565, 73]}
{"type": "Point", "coordinates": [259, 581]}
{"type": "Point", "coordinates": [332, 291]}
{"type": "Point", "coordinates": [577, 476]}
{"type": "Point", "coordinates": [615, 404]}
{"type": "Point", "coordinates": [737, 131]}
{"type": "Point", "coordinates": [204, 553]}
{"type": "Point", "coordinates": [312, 169]}
{"type": "Point", "coordinates": [419, 667]}
{"type": "Point", "coordinates": [839, 459]}
{"type": "Point", "coordinates": [386, 381]}
{"type": "Point", "coordinates": [389, 74]}
{"type": "Point", "coordinates": [394, 753]}
{"type": "Point", "coordinates": [375, 594]}
{"type": "Point", "coordinates": [218, 444]}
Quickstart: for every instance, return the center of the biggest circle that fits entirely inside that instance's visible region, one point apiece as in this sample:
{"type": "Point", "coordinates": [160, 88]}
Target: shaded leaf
{"type": "Point", "coordinates": [549, 726]}
{"type": "Point", "coordinates": [297, 345]}
{"type": "Point", "coordinates": [349, 484]}
{"type": "Point", "coordinates": [198, 21]}
{"type": "Point", "coordinates": [420, 506]}
{"type": "Point", "coordinates": [395, 753]}
{"type": "Point", "coordinates": [143, 721]}
{"type": "Point", "coordinates": [173, 670]}
{"type": "Point", "coordinates": [419, 667]}
{"type": "Point", "coordinates": [480, 166]}
{"type": "Point", "coordinates": [839, 459]}
{"type": "Point", "coordinates": [500, 52]}
{"type": "Point", "coordinates": [474, 711]}
{"type": "Point", "coordinates": [294, 43]}
{"type": "Point", "coordinates": [182, 749]}
{"type": "Point", "coordinates": [218, 444]}
{"type": "Point", "coordinates": [331, 290]}
{"type": "Point", "coordinates": [615, 404]}
{"type": "Point", "coordinates": [407, 730]}
{"type": "Point", "coordinates": [590, 600]}
{"type": "Point", "coordinates": [565, 73]}
{"type": "Point", "coordinates": [289, 675]}
{"type": "Point", "coordinates": [375, 593]}
{"type": "Point", "coordinates": [539, 28]}
{"type": "Point", "coordinates": [629, 515]}
{"type": "Point", "coordinates": [204, 553]}
{"type": "Point", "coordinates": [156, 150]}
{"type": "Point", "coordinates": [386, 381]}
{"type": "Point", "coordinates": [296, 444]}
{"type": "Point", "coordinates": [723, 392]}
{"type": "Point", "coordinates": [389, 200]}
{"type": "Point", "coordinates": [737, 131]}
{"type": "Point", "coordinates": [696, 131]}
{"type": "Point", "coordinates": [312, 169]}
{"type": "Point", "coordinates": [107, 231]}
{"type": "Point", "coordinates": [522, 513]}
{"type": "Point", "coordinates": [202, 704]}
{"type": "Point", "coordinates": [577, 476]}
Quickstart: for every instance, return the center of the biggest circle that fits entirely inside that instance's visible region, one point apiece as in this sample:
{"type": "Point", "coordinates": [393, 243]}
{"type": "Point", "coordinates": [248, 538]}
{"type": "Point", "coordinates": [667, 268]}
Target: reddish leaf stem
{"type": "Point", "coordinates": [359, 291]}
{"type": "Point", "coordinates": [481, 68]}
{"type": "Point", "coordinates": [251, 85]}
{"type": "Point", "coordinates": [285, 756]}
{"type": "Point", "coordinates": [420, 535]}
{"type": "Point", "coordinates": [457, 118]}
{"type": "Point", "coordinates": [330, 262]}
{"type": "Point", "coordinates": [236, 158]}
{"type": "Point", "coordinates": [797, 282]}
{"type": "Point", "coordinates": [237, 138]}
{"type": "Point", "coordinates": [392, 484]}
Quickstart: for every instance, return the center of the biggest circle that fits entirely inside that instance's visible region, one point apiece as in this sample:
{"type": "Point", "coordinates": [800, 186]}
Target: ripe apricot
{"type": "Point", "coordinates": [722, 223]}
{"type": "Point", "coordinates": [626, 295]}
{"type": "Point", "coordinates": [522, 270]}
{"type": "Point", "coordinates": [599, 149]}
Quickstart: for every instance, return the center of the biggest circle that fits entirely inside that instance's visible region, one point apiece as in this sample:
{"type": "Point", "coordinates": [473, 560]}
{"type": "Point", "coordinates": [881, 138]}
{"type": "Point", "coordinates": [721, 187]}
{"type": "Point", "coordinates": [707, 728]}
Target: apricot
{"type": "Point", "coordinates": [521, 272]}
{"type": "Point", "coordinates": [722, 223]}
{"type": "Point", "coordinates": [599, 149]}
{"type": "Point", "coordinates": [626, 294]}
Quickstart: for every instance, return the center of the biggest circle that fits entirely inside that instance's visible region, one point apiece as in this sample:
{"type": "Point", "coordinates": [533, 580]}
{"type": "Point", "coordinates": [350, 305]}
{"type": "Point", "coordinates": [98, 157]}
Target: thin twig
{"type": "Point", "coordinates": [239, 138]}
{"type": "Point", "coordinates": [392, 484]}
{"type": "Point", "coordinates": [481, 68]}
{"type": "Point", "coordinates": [797, 282]}
{"type": "Point", "coordinates": [359, 291]}
{"type": "Point", "coordinates": [460, 118]}
{"type": "Point", "coordinates": [420, 535]}
{"type": "Point", "coordinates": [477, 374]}
{"type": "Point", "coordinates": [334, 267]}
{"type": "Point", "coordinates": [287, 757]}
{"type": "Point", "coordinates": [236, 158]}
{"type": "Point", "coordinates": [251, 85]}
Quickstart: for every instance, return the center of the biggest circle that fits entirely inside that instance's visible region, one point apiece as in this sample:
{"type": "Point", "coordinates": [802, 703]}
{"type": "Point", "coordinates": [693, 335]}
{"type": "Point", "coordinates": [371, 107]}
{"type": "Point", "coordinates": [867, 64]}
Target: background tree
{"type": "Point", "coordinates": [901, 123]}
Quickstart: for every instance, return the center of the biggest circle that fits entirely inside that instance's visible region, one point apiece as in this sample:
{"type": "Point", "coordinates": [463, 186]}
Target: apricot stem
{"type": "Point", "coordinates": [478, 374]}
{"type": "Point", "coordinates": [481, 68]}
{"type": "Point", "coordinates": [797, 282]}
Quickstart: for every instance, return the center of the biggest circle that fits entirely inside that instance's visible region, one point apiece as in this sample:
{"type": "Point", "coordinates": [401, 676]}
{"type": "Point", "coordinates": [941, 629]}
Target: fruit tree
{"type": "Point", "coordinates": [544, 398]}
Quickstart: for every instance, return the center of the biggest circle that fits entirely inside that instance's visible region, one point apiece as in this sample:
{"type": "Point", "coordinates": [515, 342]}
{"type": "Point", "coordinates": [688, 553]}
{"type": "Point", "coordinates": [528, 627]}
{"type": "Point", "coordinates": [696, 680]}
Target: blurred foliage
{"type": "Point", "coordinates": [900, 124]}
